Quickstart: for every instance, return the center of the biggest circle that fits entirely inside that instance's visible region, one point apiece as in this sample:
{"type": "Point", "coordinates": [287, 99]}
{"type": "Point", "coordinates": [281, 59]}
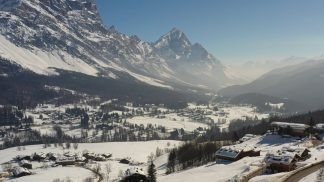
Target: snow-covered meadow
{"type": "Point", "coordinates": [172, 121]}
{"type": "Point", "coordinates": [137, 152]}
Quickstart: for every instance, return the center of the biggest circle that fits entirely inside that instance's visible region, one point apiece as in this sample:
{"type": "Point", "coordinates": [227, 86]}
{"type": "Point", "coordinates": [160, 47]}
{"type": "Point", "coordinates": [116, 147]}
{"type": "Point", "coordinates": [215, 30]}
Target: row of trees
{"type": "Point", "coordinates": [11, 116]}
{"type": "Point", "coordinates": [192, 154]}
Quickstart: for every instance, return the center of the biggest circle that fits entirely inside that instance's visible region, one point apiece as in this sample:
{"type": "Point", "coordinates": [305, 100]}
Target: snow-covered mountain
{"type": "Point", "coordinates": [192, 63]}
{"type": "Point", "coordinates": [45, 35]}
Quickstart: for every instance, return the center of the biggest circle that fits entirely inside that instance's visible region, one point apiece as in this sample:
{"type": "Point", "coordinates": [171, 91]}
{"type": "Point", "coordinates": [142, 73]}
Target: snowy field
{"type": "Point", "coordinates": [170, 122]}
{"type": "Point", "coordinates": [236, 112]}
{"type": "Point", "coordinates": [138, 152]}
{"type": "Point", "coordinates": [63, 173]}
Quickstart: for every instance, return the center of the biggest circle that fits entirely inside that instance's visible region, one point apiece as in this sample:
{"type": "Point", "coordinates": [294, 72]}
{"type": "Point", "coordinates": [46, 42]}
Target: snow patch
{"type": "Point", "coordinates": [275, 106]}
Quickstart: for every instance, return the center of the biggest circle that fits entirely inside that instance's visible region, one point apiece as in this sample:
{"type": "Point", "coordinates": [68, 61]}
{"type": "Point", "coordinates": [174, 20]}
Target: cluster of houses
{"type": "Point", "coordinates": [196, 115]}
{"type": "Point", "coordinates": [25, 161]}
{"type": "Point", "coordinates": [285, 159]}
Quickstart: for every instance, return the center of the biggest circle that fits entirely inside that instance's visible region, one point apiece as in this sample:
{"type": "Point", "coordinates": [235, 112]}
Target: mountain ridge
{"type": "Point", "coordinates": [70, 35]}
{"type": "Point", "coordinates": [302, 83]}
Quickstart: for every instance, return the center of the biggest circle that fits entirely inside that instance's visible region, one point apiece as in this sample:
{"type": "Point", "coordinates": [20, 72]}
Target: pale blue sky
{"type": "Point", "coordinates": [233, 30]}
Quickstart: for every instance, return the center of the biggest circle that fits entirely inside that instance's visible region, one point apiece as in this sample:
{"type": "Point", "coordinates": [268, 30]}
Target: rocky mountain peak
{"type": "Point", "coordinates": [175, 39]}
{"type": "Point", "coordinates": [175, 45]}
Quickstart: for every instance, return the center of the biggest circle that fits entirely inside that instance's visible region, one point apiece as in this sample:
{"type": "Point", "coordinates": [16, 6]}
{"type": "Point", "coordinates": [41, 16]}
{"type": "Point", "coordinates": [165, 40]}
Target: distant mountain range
{"type": "Point", "coordinates": [45, 35]}
{"type": "Point", "coordinates": [252, 70]}
{"type": "Point", "coordinates": [302, 84]}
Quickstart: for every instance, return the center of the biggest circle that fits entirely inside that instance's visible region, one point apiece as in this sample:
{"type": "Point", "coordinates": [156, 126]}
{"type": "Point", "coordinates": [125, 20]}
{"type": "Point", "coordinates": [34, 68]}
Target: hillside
{"type": "Point", "coordinates": [24, 88]}
{"type": "Point", "coordinates": [302, 83]}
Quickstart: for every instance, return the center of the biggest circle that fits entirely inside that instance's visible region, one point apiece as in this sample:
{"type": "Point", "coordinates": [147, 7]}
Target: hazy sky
{"type": "Point", "coordinates": [233, 30]}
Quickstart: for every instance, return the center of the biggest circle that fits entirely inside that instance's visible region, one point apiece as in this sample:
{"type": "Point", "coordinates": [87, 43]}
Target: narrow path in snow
{"type": "Point", "coordinates": [96, 173]}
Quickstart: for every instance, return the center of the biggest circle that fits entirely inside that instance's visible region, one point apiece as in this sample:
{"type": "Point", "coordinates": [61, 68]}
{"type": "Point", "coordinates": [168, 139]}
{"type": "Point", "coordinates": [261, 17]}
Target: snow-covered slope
{"type": "Point", "coordinates": [44, 34]}
{"type": "Point", "coordinates": [230, 171]}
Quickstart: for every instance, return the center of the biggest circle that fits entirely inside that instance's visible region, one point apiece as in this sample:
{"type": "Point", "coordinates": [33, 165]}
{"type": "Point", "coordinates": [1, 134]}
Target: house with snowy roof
{"type": "Point", "coordinates": [285, 159]}
{"type": "Point", "coordinates": [134, 174]}
{"type": "Point", "coordinates": [281, 162]}
{"type": "Point", "coordinates": [319, 128]}
{"type": "Point", "coordinates": [302, 153]}
{"type": "Point", "coordinates": [236, 153]}
{"type": "Point", "coordinates": [293, 129]}
{"type": "Point", "coordinates": [66, 161]}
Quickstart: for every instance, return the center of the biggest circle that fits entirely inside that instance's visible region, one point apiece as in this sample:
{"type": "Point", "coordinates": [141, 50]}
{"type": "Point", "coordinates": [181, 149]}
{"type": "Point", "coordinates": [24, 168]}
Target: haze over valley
{"type": "Point", "coordinates": [181, 91]}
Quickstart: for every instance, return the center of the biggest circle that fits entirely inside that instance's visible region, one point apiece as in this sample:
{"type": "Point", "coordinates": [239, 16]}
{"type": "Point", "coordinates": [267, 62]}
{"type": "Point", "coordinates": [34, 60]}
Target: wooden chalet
{"type": "Point", "coordinates": [235, 154]}
{"type": "Point", "coordinates": [285, 160]}
{"type": "Point", "coordinates": [281, 162]}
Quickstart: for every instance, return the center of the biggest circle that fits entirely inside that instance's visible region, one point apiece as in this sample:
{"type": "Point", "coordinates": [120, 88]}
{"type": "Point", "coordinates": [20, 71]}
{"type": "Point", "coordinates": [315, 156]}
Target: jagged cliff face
{"type": "Point", "coordinates": [42, 35]}
{"type": "Point", "coordinates": [191, 62]}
